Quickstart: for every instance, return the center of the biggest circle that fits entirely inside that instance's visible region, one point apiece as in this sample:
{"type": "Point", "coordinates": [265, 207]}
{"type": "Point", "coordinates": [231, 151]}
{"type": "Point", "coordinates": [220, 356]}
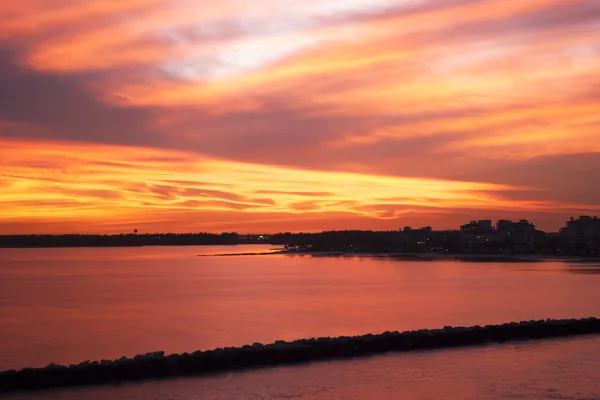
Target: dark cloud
{"type": "Point", "coordinates": [569, 179]}
{"type": "Point", "coordinates": [65, 107]}
{"type": "Point", "coordinates": [283, 135]}
{"type": "Point", "coordinates": [566, 178]}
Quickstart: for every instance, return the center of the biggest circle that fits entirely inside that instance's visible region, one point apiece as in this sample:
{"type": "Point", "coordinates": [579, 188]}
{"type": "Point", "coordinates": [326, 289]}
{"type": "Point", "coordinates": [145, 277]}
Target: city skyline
{"type": "Point", "coordinates": [579, 237]}
{"type": "Point", "coordinates": [467, 227]}
{"type": "Point", "coordinates": [358, 114]}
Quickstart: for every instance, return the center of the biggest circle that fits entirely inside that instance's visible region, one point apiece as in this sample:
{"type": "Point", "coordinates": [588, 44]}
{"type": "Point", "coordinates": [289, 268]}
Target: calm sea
{"type": "Point", "coordinates": [70, 305]}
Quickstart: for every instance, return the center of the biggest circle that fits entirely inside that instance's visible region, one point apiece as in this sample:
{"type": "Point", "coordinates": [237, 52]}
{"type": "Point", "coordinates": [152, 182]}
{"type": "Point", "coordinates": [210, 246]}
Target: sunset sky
{"type": "Point", "coordinates": [273, 115]}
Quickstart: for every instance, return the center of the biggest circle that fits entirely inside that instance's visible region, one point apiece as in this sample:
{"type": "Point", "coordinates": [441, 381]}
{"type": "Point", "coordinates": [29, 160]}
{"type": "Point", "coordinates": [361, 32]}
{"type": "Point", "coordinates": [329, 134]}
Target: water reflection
{"type": "Point", "coordinates": [571, 267]}
{"type": "Point", "coordinates": [585, 268]}
{"type": "Point", "coordinates": [63, 307]}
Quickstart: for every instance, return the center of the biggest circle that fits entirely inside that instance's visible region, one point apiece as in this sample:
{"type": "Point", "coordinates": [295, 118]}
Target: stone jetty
{"type": "Point", "coordinates": [158, 365]}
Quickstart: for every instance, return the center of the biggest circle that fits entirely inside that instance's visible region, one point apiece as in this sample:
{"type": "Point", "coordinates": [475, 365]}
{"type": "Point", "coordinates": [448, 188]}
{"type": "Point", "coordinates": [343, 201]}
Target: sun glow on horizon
{"type": "Point", "coordinates": [69, 181]}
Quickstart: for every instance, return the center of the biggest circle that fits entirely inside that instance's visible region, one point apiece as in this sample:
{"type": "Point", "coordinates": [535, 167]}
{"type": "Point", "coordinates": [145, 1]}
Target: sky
{"type": "Point", "coordinates": [284, 115]}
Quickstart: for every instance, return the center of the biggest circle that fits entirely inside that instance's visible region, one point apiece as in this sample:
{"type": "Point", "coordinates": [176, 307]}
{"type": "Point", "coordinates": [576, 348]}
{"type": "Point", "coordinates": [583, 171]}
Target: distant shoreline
{"type": "Point", "coordinates": [74, 246]}
{"type": "Point", "coordinates": [420, 256]}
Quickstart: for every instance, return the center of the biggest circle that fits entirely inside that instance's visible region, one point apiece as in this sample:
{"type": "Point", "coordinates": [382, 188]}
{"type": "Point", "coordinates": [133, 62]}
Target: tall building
{"type": "Point", "coordinates": [582, 235]}
{"type": "Point", "coordinates": [516, 237]}
{"type": "Point", "coordinates": [506, 237]}
{"type": "Point", "coordinates": [478, 237]}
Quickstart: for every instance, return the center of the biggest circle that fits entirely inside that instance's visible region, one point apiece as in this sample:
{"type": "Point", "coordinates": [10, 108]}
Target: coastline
{"type": "Point", "coordinates": [421, 256]}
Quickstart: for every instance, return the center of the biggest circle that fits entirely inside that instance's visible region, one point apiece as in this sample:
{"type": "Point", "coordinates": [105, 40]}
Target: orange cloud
{"type": "Point", "coordinates": [118, 184]}
{"type": "Point", "coordinates": [326, 109]}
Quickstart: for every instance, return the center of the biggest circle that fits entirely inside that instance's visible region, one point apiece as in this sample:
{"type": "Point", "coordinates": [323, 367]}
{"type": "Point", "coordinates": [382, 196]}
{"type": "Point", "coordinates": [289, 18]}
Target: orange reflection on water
{"type": "Point", "coordinates": [106, 303]}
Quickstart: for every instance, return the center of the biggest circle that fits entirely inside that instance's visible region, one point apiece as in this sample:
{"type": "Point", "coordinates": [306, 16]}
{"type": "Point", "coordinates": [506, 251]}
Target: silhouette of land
{"type": "Point", "coordinates": [579, 237]}
{"type": "Point", "coordinates": [128, 240]}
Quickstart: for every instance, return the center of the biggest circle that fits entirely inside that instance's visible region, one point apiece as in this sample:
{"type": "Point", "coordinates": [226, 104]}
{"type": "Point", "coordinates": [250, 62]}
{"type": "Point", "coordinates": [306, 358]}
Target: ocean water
{"type": "Point", "coordinates": [70, 305]}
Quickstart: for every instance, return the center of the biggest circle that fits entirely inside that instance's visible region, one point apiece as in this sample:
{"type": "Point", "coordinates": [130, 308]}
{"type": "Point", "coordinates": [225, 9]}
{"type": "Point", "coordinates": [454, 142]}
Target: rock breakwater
{"type": "Point", "coordinates": [158, 365]}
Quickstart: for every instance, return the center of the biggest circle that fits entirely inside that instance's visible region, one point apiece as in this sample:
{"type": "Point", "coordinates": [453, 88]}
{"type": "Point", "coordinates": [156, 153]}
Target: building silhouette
{"type": "Point", "coordinates": [517, 237]}
{"type": "Point", "coordinates": [506, 237]}
{"type": "Point", "coordinates": [582, 235]}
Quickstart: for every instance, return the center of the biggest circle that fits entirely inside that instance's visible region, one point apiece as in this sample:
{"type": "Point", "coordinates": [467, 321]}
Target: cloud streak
{"type": "Point", "coordinates": [70, 186]}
